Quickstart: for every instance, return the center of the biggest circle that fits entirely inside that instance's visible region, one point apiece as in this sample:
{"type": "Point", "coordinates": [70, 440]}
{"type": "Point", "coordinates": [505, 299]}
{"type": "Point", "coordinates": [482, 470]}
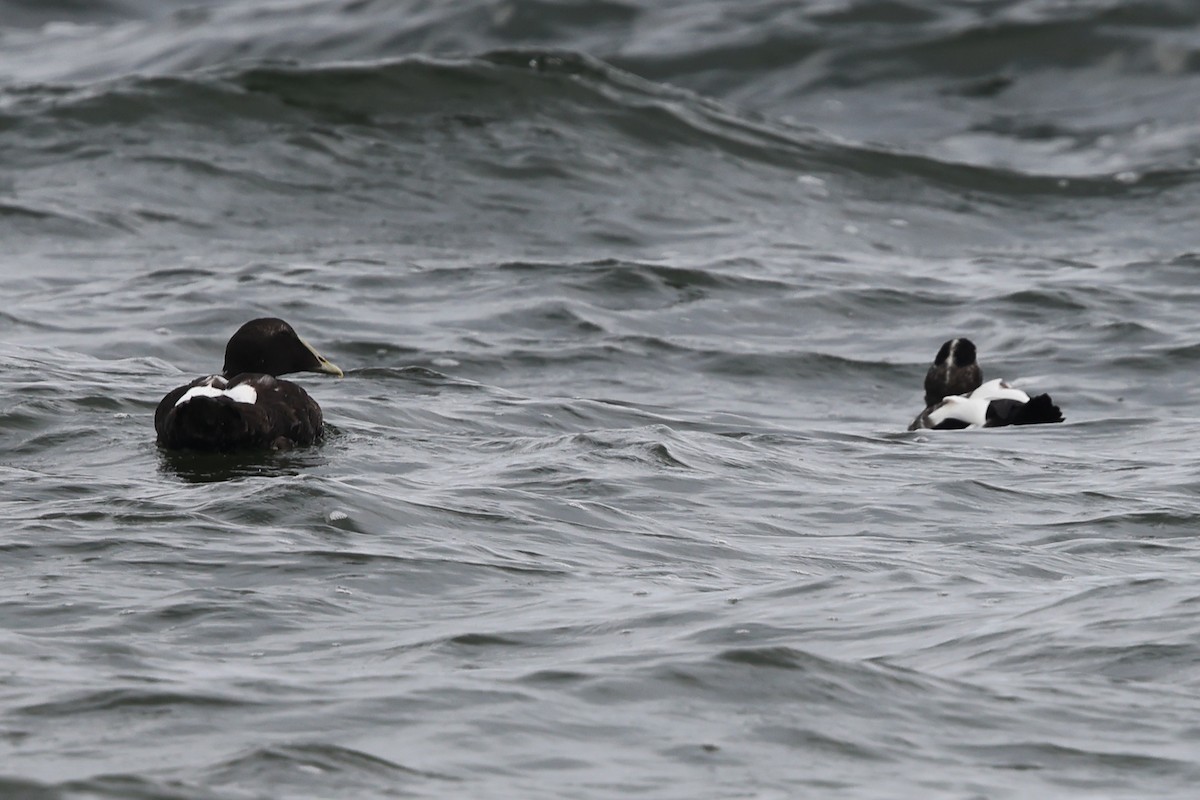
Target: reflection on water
{"type": "Point", "coordinates": [199, 467]}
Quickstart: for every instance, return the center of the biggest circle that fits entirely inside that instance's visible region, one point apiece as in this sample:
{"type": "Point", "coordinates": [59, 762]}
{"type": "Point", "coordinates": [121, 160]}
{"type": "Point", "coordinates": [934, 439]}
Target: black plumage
{"type": "Point", "coordinates": [993, 405]}
{"type": "Point", "coordinates": [247, 406]}
{"type": "Point", "coordinates": [1040, 410]}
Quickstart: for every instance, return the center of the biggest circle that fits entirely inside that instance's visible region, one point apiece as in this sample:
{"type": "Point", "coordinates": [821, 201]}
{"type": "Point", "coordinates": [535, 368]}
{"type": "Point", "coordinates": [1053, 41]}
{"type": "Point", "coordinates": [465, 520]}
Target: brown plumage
{"type": "Point", "coordinates": [954, 371]}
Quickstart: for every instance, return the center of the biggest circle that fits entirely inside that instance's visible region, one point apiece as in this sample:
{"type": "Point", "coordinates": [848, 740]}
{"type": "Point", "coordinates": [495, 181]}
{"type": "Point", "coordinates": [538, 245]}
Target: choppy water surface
{"type": "Point", "coordinates": [634, 301]}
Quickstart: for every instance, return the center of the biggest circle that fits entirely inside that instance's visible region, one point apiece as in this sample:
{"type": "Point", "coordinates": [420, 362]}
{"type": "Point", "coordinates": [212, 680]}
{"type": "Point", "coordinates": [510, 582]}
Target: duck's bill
{"type": "Point", "coordinates": [329, 368]}
{"type": "Point", "coordinates": [324, 365]}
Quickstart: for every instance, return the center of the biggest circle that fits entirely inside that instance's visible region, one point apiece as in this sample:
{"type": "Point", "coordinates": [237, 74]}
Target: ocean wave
{"type": "Point", "coordinates": [412, 97]}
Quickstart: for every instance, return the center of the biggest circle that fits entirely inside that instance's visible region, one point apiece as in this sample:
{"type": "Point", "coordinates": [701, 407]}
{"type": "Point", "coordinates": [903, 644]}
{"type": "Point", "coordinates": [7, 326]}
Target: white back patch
{"type": "Point", "coordinates": [242, 393]}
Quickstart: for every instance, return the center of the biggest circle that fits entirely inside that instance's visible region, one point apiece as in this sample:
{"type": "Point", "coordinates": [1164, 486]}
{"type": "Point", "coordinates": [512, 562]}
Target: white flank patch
{"type": "Point", "coordinates": [242, 393]}
{"type": "Point", "coordinates": [970, 410]}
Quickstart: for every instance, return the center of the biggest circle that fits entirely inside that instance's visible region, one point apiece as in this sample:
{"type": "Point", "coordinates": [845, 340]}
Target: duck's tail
{"type": "Point", "coordinates": [209, 423]}
{"type": "Point", "coordinates": [1037, 411]}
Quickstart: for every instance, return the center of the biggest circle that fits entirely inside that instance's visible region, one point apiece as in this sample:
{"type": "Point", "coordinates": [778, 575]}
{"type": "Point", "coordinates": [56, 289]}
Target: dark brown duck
{"type": "Point", "coordinates": [247, 406]}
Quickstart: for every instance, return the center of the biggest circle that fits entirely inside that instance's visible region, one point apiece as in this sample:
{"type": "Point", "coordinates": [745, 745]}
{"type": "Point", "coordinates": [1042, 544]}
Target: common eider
{"type": "Point", "coordinates": [956, 396]}
{"type": "Point", "coordinates": [246, 406]}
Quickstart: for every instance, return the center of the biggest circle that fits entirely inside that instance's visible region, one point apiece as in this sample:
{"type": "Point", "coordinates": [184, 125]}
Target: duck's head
{"type": "Point", "coordinates": [954, 371]}
{"type": "Point", "coordinates": [955, 353]}
{"type": "Point", "coordinates": [272, 347]}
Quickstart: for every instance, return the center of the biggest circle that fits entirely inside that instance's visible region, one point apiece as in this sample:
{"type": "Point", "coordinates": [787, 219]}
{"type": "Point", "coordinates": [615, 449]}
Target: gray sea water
{"type": "Point", "coordinates": [634, 300]}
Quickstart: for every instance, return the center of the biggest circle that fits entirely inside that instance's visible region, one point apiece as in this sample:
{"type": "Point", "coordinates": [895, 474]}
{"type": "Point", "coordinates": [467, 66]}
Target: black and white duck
{"type": "Point", "coordinates": [247, 406]}
{"type": "Point", "coordinates": [956, 396]}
